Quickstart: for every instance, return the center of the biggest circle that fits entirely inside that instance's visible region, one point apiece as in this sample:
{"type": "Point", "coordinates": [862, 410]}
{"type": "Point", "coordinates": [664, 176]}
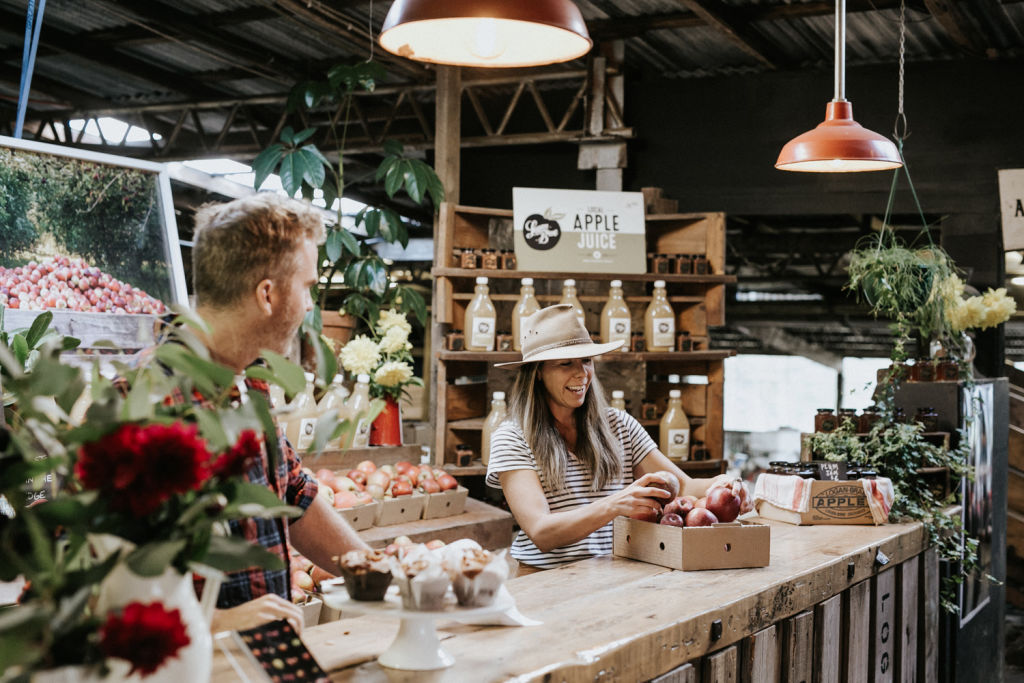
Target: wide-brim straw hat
{"type": "Point", "coordinates": [555, 333]}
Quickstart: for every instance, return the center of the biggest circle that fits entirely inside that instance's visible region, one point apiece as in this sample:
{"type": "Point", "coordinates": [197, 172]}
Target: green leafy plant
{"type": "Point", "coordinates": [304, 168]}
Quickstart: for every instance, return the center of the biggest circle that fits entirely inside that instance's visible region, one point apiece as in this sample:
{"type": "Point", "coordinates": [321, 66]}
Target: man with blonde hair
{"type": "Point", "coordinates": [254, 261]}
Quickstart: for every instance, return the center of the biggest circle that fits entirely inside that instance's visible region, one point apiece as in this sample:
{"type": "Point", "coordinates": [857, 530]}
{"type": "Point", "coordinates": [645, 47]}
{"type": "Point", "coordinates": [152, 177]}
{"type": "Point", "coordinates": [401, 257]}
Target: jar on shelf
{"type": "Point", "coordinates": [508, 259]}
{"type": "Point", "coordinates": [807, 470]}
{"type": "Point", "coordinates": [853, 470]}
{"type": "Point", "coordinates": [455, 341]}
{"type": "Point", "coordinates": [489, 259]}
{"type": "Point", "coordinates": [457, 257]}
{"type": "Point", "coordinates": [503, 341]}
{"type": "Point", "coordinates": [848, 414]}
{"type": "Point", "coordinates": [648, 410]}
{"type": "Point", "coordinates": [923, 371]}
{"type": "Point", "coordinates": [699, 452]}
{"type": "Point", "coordinates": [928, 418]}
{"type": "Point", "coordinates": [636, 342]}
{"type": "Point", "coordinates": [683, 341]}
{"type": "Point", "coordinates": [463, 454]}
{"type": "Point", "coordinates": [701, 265]}
{"type": "Point", "coordinates": [868, 419]}
{"type": "Point", "coordinates": [947, 371]}
{"type": "Point", "coordinates": [779, 467]}
{"type": "Point", "coordinates": [682, 264]}
{"type": "Point", "coordinates": [825, 420]}
{"type": "Point", "coordinates": [662, 264]}
{"type": "Point", "coordinates": [468, 258]}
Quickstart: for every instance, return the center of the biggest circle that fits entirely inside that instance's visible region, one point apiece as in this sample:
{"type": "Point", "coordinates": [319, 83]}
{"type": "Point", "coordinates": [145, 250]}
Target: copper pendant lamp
{"type": "Point", "coordinates": [488, 33]}
{"type": "Point", "coordinates": [839, 144]}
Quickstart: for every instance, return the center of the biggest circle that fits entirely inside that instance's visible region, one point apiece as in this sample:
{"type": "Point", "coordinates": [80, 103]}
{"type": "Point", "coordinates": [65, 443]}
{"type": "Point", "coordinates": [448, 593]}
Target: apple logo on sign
{"type": "Point", "coordinates": [542, 232]}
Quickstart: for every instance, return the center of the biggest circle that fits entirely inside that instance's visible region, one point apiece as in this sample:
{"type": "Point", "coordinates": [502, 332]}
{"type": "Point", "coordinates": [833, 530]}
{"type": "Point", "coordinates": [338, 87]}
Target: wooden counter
{"type": "Point", "coordinates": [824, 609]}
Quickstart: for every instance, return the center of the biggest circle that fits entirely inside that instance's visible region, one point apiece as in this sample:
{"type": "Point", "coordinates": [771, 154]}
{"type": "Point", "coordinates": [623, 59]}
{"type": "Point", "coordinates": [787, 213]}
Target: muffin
{"type": "Point", "coordinates": [421, 579]}
{"type": "Point", "coordinates": [476, 575]}
{"type": "Point", "coordinates": [367, 574]}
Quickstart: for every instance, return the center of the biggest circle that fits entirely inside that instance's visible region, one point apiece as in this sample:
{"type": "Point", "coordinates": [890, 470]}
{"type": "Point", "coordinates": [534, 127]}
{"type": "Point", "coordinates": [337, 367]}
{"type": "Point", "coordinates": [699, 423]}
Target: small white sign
{"type": "Point", "coordinates": [579, 231]}
{"type": "Point", "coordinates": [1011, 202]}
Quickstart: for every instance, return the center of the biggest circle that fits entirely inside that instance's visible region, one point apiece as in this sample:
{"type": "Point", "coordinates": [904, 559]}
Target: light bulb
{"type": "Point", "coordinates": [485, 43]}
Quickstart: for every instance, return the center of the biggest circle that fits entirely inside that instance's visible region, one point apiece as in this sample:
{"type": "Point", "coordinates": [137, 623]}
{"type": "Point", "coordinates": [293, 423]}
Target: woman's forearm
{"type": "Point", "coordinates": [557, 529]}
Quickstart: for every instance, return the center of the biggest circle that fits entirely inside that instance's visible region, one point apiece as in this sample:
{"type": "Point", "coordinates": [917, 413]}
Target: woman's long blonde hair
{"type": "Point", "coordinates": [596, 445]}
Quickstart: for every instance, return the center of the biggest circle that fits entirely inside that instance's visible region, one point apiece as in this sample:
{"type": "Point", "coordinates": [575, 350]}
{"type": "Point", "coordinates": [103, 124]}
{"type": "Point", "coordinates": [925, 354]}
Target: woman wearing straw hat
{"type": "Point", "coordinates": [567, 462]}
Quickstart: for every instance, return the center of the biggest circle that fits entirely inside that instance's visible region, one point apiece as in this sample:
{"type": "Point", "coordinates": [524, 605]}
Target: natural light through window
{"type": "Point", "coordinates": [114, 131]}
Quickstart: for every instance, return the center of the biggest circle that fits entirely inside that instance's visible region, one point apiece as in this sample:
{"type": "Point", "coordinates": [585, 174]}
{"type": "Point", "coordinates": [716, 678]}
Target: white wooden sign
{"type": "Point", "coordinates": [579, 231]}
{"type": "Point", "coordinates": [1011, 202]}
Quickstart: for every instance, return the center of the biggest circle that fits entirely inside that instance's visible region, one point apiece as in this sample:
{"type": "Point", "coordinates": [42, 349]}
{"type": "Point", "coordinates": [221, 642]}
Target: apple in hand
{"type": "Point", "coordinates": [700, 517]}
{"type": "Point", "coordinates": [672, 519]}
{"type": "Point", "coordinates": [667, 481]}
{"type": "Point", "coordinates": [302, 580]}
{"type": "Point", "coordinates": [723, 503]}
{"type": "Point", "coordinates": [647, 515]}
{"type": "Point", "coordinates": [679, 506]}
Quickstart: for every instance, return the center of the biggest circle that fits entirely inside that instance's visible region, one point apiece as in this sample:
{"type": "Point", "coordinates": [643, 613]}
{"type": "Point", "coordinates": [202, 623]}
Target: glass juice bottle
{"type": "Point", "coordinates": [494, 418]}
{"type": "Point", "coordinates": [334, 402]}
{"type": "Point", "coordinates": [569, 297]}
{"type": "Point", "coordinates": [358, 408]}
{"type": "Point", "coordinates": [615, 318]}
{"type": "Point", "coordinates": [660, 321]}
{"type": "Point", "coordinates": [675, 429]}
{"type": "Point", "coordinates": [618, 400]}
{"type": "Point", "coordinates": [480, 319]}
{"type": "Point", "coordinates": [527, 305]}
{"type": "Point", "coordinates": [302, 417]}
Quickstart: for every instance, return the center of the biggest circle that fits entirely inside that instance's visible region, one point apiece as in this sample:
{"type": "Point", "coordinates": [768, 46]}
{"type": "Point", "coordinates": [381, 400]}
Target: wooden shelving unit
{"type": "Point", "coordinates": [698, 301]}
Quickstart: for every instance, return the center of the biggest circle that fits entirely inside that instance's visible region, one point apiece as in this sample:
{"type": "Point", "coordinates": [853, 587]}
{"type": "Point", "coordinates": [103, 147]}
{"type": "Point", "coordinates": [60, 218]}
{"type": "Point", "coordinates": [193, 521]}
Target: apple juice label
{"type": "Point", "coordinates": [618, 328]}
{"type": "Point", "coordinates": [307, 427]}
{"type": "Point", "coordinates": [664, 332]}
{"type": "Point", "coordinates": [678, 444]}
{"type": "Point", "coordinates": [362, 436]}
{"type": "Point", "coordinates": [483, 333]}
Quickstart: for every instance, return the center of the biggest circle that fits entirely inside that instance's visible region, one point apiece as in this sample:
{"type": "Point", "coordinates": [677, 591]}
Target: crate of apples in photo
{"type": "Point", "coordinates": [306, 578]}
{"type": "Point", "coordinates": [693, 533]}
{"type": "Point", "coordinates": [444, 495]}
{"type": "Point", "coordinates": [396, 494]}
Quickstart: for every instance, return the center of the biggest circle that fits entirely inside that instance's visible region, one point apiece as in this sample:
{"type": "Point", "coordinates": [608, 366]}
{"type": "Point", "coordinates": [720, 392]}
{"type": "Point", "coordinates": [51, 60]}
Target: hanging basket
{"type": "Point", "coordinates": [882, 291]}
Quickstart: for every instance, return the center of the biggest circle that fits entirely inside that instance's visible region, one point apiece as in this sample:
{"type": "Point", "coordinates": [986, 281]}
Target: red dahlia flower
{"type": "Point", "coordinates": [141, 467]}
{"type": "Point", "coordinates": [145, 635]}
{"type": "Point", "coordinates": [240, 457]}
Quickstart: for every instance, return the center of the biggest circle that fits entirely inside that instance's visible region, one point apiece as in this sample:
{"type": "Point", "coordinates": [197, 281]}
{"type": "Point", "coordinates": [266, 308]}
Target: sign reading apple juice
{"type": "Point", "coordinates": [1011, 200]}
{"type": "Point", "coordinates": [579, 231]}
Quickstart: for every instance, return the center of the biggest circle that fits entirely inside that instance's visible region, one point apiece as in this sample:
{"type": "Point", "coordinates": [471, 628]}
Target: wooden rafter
{"type": "Point", "coordinates": [956, 25]}
{"type": "Point", "coordinates": [719, 17]}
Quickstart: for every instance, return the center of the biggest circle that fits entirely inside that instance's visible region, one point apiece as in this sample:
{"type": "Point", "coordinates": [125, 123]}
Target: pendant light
{"type": "Point", "coordinates": [488, 33]}
{"type": "Point", "coordinates": [839, 144]}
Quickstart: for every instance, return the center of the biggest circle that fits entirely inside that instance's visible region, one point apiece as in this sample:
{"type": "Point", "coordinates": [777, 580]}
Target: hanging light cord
{"type": "Point", "coordinates": [899, 131]}
{"type": "Point", "coordinates": [369, 25]}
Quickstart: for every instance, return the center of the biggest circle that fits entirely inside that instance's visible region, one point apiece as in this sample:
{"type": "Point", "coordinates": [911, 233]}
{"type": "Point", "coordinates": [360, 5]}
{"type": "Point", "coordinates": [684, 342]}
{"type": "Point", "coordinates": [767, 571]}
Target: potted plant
{"type": "Point", "coordinates": [304, 168]}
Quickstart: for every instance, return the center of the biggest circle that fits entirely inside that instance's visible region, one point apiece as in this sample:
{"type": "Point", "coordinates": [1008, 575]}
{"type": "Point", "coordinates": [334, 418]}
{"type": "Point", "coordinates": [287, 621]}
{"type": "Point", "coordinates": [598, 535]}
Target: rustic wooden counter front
{"type": "Point", "coordinates": [826, 609]}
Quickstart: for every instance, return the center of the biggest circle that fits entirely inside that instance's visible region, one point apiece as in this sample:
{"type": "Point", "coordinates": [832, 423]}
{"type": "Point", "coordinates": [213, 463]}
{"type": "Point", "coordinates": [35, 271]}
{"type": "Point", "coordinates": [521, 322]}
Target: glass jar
{"type": "Point", "coordinates": [825, 421]}
{"type": "Point", "coordinates": [463, 454]}
{"type": "Point", "coordinates": [489, 259]}
{"type": "Point", "coordinates": [683, 341]}
{"type": "Point", "coordinates": [807, 470]}
{"type": "Point", "coordinates": [923, 371]}
{"type": "Point", "coordinates": [778, 467]}
{"type": "Point", "coordinates": [947, 371]}
{"type": "Point", "coordinates": [508, 259]}
{"type": "Point", "coordinates": [455, 341]}
{"type": "Point", "coordinates": [853, 471]}
{"type": "Point", "coordinates": [468, 258]}
{"type": "Point", "coordinates": [848, 415]}
{"type": "Point", "coordinates": [636, 342]}
{"type": "Point", "coordinates": [868, 419]}
{"type": "Point", "coordinates": [928, 418]}
{"type": "Point", "coordinates": [698, 451]}
{"type": "Point", "coordinates": [662, 264]}
{"type": "Point", "coordinates": [503, 342]}
{"type": "Point", "coordinates": [683, 264]}
{"type": "Point", "coordinates": [648, 410]}
{"type": "Point", "coordinates": [701, 265]}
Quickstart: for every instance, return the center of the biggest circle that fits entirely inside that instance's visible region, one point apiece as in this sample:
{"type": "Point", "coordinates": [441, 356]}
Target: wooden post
{"type": "Point", "coordinates": [722, 667]}
{"type": "Point", "coordinates": [682, 674]}
{"type": "Point", "coordinates": [761, 657]}
{"type": "Point", "coordinates": [797, 648]}
{"type": "Point", "coordinates": [828, 621]}
{"type": "Point", "coordinates": [856, 625]}
{"type": "Point", "coordinates": [906, 618]}
{"type": "Point", "coordinates": [883, 626]}
{"type": "Point", "coordinates": [928, 618]}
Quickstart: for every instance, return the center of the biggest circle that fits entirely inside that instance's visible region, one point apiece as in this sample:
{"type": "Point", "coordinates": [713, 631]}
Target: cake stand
{"type": "Point", "coordinates": [417, 646]}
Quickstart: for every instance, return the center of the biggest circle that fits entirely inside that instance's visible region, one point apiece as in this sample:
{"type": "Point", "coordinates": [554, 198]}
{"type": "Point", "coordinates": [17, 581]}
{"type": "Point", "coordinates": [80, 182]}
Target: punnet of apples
{"type": "Point", "coordinates": [368, 482]}
{"type": "Point", "coordinates": [721, 504]}
{"type": "Point", "coordinates": [71, 283]}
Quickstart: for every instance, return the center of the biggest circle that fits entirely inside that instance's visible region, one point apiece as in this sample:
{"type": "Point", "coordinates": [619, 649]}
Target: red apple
{"type": "Point", "coordinates": [425, 473]}
{"type": "Point", "coordinates": [344, 500]}
{"type": "Point", "coordinates": [367, 466]}
{"type": "Point", "coordinates": [344, 484]}
{"type": "Point", "coordinates": [434, 544]}
{"type": "Point", "coordinates": [401, 488]}
{"type": "Point", "coordinates": [363, 498]}
{"type": "Point", "coordinates": [389, 469]}
{"type": "Point", "coordinates": [647, 515]}
{"type": "Point", "coordinates": [325, 492]}
{"type": "Point", "coordinates": [723, 503]}
{"type": "Point", "coordinates": [298, 596]}
{"type": "Point", "coordinates": [693, 500]}
{"type": "Point", "coordinates": [358, 476]}
{"type": "Point", "coordinates": [700, 517]}
{"type": "Point", "coordinates": [403, 465]}
{"type": "Point", "coordinates": [672, 519]}
{"type": "Point", "coordinates": [302, 580]}
{"type": "Point", "coordinates": [447, 482]}
{"type": "Point", "coordinates": [379, 478]}
{"type": "Point", "coordinates": [319, 576]}
{"type": "Point", "coordinates": [376, 491]}
{"type": "Point", "coordinates": [679, 506]}
{"type": "Point", "coordinates": [667, 481]}
{"type": "Point", "coordinates": [325, 475]}
{"type": "Point", "coordinates": [429, 486]}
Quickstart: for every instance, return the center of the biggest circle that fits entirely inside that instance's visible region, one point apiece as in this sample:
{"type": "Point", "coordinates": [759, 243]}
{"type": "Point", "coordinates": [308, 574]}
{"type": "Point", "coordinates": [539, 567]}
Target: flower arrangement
{"type": "Point", "coordinates": [160, 476]}
{"type": "Point", "coordinates": [992, 308]}
{"type": "Point", "coordinates": [385, 357]}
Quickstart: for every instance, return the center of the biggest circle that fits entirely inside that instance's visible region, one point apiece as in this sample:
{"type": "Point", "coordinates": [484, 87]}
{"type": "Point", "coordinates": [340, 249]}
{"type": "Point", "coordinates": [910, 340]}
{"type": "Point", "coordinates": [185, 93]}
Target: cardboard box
{"type": "Point", "coordinates": [721, 546]}
{"type": "Point", "coordinates": [831, 502]}
{"type": "Point", "coordinates": [400, 510]}
{"type": "Point", "coordinates": [445, 503]}
{"type": "Point", "coordinates": [361, 516]}
{"type": "Point", "coordinates": [311, 612]}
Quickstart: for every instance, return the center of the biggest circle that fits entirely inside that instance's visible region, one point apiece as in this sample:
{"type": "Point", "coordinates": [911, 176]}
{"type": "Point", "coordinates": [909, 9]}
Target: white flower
{"type": "Point", "coordinates": [395, 339]}
{"type": "Point", "coordinates": [393, 319]}
{"type": "Point", "coordinates": [360, 356]}
{"type": "Point", "coordinates": [393, 374]}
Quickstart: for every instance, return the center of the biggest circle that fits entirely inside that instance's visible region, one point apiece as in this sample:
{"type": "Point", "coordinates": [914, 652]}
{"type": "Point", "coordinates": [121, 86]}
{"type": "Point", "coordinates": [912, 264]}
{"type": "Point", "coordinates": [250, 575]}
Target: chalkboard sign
{"type": "Point", "coordinates": [831, 471]}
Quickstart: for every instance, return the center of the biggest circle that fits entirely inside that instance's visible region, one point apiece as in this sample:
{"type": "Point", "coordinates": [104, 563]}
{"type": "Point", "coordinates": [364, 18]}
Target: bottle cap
{"type": "Point", "coordinates": [659, 284]}
{"type": "Point", "coordinates": [527, 281]}
{"type": "Point", "coordinates": [338, 379]}
{"type": "Point", "coordinates": [481, 281]}
{"type": "Point", "coordinates": [309, 377]}
{"type": "Point", "coordinates": [363, 379]}
{"type": "Point", "coordinates": [616, 283]}
{"type": "Point", "coordinates": [499, 395]}
{"type": "Point", "coordinates": [673, 379]}
{"type": "Point", "coordinates": [675, 393]}
{"type": "Point", "coordinates": [695, 379]}
{"type": "Point", "coordinates": [618, 394]}
{"type": "Point", "coordinates": [569, 283]}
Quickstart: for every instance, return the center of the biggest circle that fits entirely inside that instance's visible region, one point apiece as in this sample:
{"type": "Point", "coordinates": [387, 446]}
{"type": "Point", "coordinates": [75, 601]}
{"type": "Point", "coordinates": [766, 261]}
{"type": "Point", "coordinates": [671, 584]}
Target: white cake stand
{"type": "Point", "coordinates": [417, 646]}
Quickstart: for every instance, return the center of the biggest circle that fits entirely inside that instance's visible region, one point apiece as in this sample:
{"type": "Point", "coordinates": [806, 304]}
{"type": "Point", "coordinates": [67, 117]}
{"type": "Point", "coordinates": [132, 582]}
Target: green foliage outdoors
{"type": "Point", "coordinates": [109, 215]}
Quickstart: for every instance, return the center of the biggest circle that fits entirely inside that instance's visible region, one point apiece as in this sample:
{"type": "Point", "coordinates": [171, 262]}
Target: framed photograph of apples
{"type": "Point", "coordinates": [85, 233]}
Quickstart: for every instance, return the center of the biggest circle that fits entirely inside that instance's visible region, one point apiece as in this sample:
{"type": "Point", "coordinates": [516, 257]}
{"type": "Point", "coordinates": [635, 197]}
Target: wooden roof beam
{"type": "Point", "coordinates": [957, 26]}
{"type": "Point", "coordinates": [132, 35]}
{"type": "Point", "coordinates": [721, 18]}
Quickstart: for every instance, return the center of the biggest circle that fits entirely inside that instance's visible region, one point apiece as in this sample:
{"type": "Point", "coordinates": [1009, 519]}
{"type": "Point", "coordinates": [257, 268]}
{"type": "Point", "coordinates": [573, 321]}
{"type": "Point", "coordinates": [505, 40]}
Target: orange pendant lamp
{"type": "Point", "coordinates": [487, 33]}
{"type": "Point", "coordinates": [839, 144]}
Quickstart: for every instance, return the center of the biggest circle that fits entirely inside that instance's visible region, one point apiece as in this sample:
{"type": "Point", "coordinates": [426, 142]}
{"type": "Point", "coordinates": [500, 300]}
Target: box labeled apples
{"type": "Point", "coordinates": [445, 503]}
{"type": "Point", "coordinates": [400, 509]}
{"type": "Point", "coordinates": [360, 517]}
{"type": "Point", "coordinates": [721, 546]}
{"type": "Point", "coordinates": [814, 501]}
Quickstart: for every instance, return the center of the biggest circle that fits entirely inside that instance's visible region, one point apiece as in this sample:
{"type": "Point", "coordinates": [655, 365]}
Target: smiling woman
{"type": "Point", "coordinates": [567, 462]}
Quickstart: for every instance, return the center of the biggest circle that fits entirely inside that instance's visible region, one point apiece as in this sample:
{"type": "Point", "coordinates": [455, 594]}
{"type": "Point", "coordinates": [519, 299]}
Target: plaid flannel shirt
{"type": "Point", "coordinates": [290, 483]}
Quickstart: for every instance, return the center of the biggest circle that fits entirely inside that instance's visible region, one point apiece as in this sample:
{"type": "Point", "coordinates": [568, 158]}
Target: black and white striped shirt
{"type": "Point", "coordinates": [509, 451]}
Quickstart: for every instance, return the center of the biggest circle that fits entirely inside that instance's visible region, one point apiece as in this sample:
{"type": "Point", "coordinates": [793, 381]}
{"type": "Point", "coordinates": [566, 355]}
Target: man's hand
{"type": "Point", "coordinates": [263, 609]}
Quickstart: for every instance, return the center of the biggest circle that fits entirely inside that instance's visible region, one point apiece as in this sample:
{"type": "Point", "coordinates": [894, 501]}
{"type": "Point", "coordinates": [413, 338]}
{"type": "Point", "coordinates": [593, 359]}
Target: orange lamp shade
{"type": "Point", "coordinates": [487, 33]}
{"type": "Point", "coordinates": [838, 145]}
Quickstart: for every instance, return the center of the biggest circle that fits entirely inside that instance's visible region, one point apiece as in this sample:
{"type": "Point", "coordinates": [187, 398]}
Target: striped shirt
{"type": "Point", "coordinates": [509, 451]}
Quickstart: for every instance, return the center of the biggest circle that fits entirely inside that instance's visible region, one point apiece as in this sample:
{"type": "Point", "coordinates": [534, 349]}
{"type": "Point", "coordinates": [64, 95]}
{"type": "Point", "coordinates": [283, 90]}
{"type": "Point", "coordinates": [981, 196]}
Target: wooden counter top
{"type": "Point", "coordinates": [625, 620]}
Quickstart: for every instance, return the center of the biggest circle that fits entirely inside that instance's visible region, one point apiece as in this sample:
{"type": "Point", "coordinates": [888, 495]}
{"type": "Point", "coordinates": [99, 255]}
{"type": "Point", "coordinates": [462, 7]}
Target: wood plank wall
{"type": "Point", "coordinates": [1015, 492]}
